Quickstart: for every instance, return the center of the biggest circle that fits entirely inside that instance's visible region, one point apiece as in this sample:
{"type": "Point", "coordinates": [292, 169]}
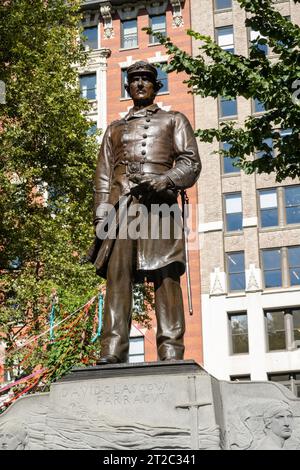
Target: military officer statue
{"type": "Point", "coordinates": [148, 156]}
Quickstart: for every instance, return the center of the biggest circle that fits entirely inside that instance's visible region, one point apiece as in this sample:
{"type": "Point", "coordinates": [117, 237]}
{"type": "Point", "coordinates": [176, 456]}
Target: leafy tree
{"type": "Point", "coordinates": [275, 83]}
{"type": "Point", "coordinates": [47, 164]}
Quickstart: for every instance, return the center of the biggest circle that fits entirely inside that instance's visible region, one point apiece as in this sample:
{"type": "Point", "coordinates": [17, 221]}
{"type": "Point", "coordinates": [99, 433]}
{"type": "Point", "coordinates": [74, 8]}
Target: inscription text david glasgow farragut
{"type": "Point", "coordinates": [120, 394]}
{"type": "Point", "coordinates": [131, 394]}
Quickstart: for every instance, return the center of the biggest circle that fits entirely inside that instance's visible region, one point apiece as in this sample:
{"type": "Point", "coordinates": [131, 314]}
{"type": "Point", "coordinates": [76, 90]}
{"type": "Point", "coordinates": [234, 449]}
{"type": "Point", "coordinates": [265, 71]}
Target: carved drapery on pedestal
{"type": "Point", "coordinates": [177, 13]}
{"type": "Point", "coordinates": [105, 10]}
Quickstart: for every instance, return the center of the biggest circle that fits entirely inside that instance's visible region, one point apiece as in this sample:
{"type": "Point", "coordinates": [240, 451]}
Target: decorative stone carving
{"type": "Point", "coordinates": [105, 10]}
{"type": "Point", "coordinates": [133, 407]}
{"type": "Point", "coordinates": [217, 282]}
{"type": "Point", "coordinates": [253, 279]}
{"type": "Point", "coordinates": [158, 58]}
{"type": "Point", "coordinates": [177, 13]}
{"type": "Point", "coordinates": [129, 12]}
{"type": "Point", "coordinates": [156, 8]}
{"type": "Point", "coordinates": [169, 405]}
{"type": "Point", "coordinates": [260, 416]}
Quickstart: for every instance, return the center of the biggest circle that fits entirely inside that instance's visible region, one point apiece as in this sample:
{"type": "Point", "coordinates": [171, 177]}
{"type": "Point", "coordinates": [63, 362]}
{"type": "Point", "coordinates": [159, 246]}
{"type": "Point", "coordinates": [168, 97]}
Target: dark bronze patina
{"type": "Point", "coordinates": [147, 157]}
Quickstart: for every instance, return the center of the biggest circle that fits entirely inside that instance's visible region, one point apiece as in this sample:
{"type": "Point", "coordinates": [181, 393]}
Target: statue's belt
{"type": "Point", "coordinates": [140, 168]}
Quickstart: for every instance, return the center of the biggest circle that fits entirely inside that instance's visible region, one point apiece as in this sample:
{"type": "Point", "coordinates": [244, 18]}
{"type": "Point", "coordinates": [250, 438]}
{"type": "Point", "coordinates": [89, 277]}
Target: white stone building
{"type": "Point", "coordinates": [249, 234]}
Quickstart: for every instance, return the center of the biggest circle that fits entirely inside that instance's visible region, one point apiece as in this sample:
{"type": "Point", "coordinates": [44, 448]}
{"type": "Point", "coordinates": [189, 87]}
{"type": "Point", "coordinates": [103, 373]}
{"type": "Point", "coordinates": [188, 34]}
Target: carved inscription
{"type": "Point", "coordinates": [118, 394]}
{"type": "Point", "coordinates": [131, 394]}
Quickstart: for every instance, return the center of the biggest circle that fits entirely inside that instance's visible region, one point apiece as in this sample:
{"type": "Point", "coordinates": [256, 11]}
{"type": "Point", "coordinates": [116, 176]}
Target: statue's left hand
{"type": "Point", "coordinates": [152, 183]}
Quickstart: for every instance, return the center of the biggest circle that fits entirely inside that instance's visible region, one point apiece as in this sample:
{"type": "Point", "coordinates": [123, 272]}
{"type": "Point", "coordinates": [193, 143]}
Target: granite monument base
{"type": "Point", "coordinates": [158, 405]}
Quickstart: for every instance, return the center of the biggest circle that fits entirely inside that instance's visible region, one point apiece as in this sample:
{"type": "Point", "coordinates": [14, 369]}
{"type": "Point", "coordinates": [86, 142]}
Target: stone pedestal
{"type": "Point", "coordinates": [159, 405]}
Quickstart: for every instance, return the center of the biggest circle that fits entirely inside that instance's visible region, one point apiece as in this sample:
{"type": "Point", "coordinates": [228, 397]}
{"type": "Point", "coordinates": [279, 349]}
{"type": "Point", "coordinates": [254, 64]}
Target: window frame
{"type": "Point", "coordinates": [230, 315]}
{"type": "Point", "coordinates": [95, 27]}
{"type": "Point", "coordinates": [254, 101]}
{"type": "Point", "coordinates": [289, 267]}
{"type": "Point", "coordinates": [124, 93]}
{"type": "Point", "coordinates": [231, 50]}
{"type": "Point", "coordinates": [236, 170]}
{"type": "Point", "coordinates": [89, 75]}
{"type": "Point", "coordinates": [216, 9]}
{"type": "Point", "coordinates": [259, 191]}
{"type": "Point", "coordinates": [132, 340]}
{"type": "Point", "coordinates": [230, 116]}
{"type": "Point", "coordinates": [230, 253]}
{"type": "Point", "coordinates": [288, 327]}
{"type": "Point", "coordinates": [281, 266]}
{"type": "Point", "coordinates": [167, 79]}
{"type": "Point", "coordinates": [250, 30]}
{"type": "Point", "coordinates": [226, 214]}
{"type": "Point", "coordinates": [123, 37]}
{"type": "Point", "coordinates": [152, 39]}
{"type": "Point", "coordinates": [285, 188]}
{"type": "Point", "coordinates": [292, 383]}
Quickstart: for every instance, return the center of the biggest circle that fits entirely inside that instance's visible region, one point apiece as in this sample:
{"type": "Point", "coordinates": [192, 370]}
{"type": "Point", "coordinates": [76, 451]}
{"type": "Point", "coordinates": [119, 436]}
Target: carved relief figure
{"type": "Point", "coordinates": [12, 436]}
{"type": "Point", "coordinates": [278, 420]}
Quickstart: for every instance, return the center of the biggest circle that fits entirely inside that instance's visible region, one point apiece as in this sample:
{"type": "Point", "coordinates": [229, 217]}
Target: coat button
{"type": "Point", "coordinates": [148, 120]}
{"type": "Point", "coordinates": [146, 127]}
{"type": "Point", "coordinates": [145, 136]}
{"type": "Point", "coordinates": [144, 144]}
{"type": "Point", "coordinates": [143, 152]}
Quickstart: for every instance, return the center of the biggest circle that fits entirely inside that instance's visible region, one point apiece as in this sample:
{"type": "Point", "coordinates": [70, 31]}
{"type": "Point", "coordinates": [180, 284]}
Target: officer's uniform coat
{"type": "Point", "coordinates": [152, 136]}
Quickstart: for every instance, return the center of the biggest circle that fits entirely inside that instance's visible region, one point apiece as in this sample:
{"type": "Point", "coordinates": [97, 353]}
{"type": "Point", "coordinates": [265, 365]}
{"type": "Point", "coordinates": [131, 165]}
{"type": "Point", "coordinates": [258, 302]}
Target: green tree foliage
{"type": "Point", "coordinates": [273, 81]}
{"type": "Point", "coordinates": [47, 164]}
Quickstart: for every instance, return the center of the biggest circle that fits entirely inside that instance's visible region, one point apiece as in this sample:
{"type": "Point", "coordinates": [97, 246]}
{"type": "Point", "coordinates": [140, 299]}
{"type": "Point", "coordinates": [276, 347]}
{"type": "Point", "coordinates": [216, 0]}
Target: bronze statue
{"type": "Point", "coordinates": [145, 158]}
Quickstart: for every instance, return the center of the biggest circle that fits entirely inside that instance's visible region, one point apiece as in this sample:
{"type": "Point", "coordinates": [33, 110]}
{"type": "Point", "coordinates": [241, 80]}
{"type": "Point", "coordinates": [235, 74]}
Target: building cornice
{"type": "Point", "coordinates": [129, 10]}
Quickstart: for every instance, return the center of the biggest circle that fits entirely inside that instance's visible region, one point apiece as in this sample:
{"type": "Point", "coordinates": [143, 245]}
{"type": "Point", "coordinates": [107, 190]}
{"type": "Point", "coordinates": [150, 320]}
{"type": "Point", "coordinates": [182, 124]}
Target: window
{"type": "Point", "coordinates": [258, 106]}
{"type": "Point", "coordinates": [88, 86]}
{"type": "Point", "coordinates": [234, 213]}
{"type": "Point", "coordinates": [124, 92]}
{"type": "Point", "coordinates": [228, 107]}
{"type": "Point", "coordinates": [268, 207]}
{"type": "Point", "coordinates": [275, 330]}
{"type": "Point", "coordinates": [129, 35]}
{"type": "Point", "coordinates": [92, 130]}
{"type": "Point", "coordinates": [272, 262]}
{"type": "Point", "coordinates": [240, 378]}
{"type": "Point", "coordinates": [225, 39]}
{"type": "Point", "coordinates": [283, 328]}
{"type": "Point", "coordinates": [291, 380]}
{"type": "Point", "coordinates": [91, 37]}
{"type": "Point", "coordinates": [267, 147]}
{"type": "Point", "coordinates": [223, 4]}
{"type": "Point", "coordinates": [294, 265]}
{"type": "Point", "coordinates": [163, 77]}
{"type": "Point", "coordinates": [239, 333]}
{"type": "Point", "coordinates": [136, 349]}
{"type": "Point", "coordinates": [292, 204]}
{"type": "Point", "coordinates": [236, 271]}
{"type": "Point", "coordinates": [228, 163]}
{"type": "Point", "coordinates": [158, 25]}
{"type": "Point", "coordinates": [256, 36]}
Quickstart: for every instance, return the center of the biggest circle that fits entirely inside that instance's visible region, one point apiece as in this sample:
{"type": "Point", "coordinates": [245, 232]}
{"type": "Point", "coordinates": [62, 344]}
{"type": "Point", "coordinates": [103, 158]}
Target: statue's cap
{"type": "Point", "coordinates": [141, 67]}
